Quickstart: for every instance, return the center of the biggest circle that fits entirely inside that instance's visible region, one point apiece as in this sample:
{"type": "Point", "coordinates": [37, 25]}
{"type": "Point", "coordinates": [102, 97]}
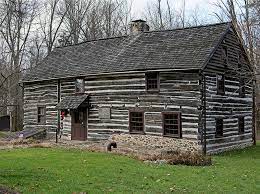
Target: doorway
{"type": "Point", "coordinates": [79, 129]}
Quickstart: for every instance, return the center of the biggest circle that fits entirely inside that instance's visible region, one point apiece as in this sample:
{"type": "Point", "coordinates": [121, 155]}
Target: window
{"type": "Point", "coordinates": [172, 124]}
{"type": "Point", "coordinates": [225, 55]}
{"type": "Point", "coordinates": [78, 116]}
{"type": "Point", "coordinates": [241, 125]}
{"type": "Point", "coordinates": [219, 127]}
{"type": "Point", "coordinates": [136, 122]}
{"type": "Point", "coordinates": [242, 89]}
{"type": "Point", "coordinates": [239, 60]}
{"type": "Point", "coordinates": [79, 86]}
{"type": "Point", "coordinates": [152, 81]}
{"type": "Point", "coordinates": [41, 116]}
{"type": "Point", "coordinates": [221, 84]}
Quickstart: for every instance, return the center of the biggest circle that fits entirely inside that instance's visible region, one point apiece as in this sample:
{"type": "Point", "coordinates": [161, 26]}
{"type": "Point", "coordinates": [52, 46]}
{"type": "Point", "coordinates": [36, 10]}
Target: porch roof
{"type": "Point", "coordinates": [72, 102]}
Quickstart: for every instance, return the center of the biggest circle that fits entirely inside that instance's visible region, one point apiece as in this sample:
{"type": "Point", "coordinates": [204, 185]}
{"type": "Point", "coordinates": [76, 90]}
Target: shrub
{"type": "Point", "coordinates": [176, 157]}
{"type": "Point", "coordinates": [40, 145]}
{"type": "Point", "coordinates": [189, 159]}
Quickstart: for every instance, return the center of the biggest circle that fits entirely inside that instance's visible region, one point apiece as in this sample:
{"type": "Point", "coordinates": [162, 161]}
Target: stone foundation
{"type": "Point", "coordinates": [230, 148]}
{"type": "Point", "coordinates": [157, 143]}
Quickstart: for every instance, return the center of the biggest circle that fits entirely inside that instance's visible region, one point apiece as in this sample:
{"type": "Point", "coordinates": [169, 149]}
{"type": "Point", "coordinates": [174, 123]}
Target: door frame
{"type": "Point", "coordinates": [75, 126]}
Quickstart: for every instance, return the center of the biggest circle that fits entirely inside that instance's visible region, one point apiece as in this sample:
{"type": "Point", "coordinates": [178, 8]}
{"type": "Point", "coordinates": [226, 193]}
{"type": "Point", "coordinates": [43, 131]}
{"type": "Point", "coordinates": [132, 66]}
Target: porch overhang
{"type": "Point", "coordinates": [73, 102]}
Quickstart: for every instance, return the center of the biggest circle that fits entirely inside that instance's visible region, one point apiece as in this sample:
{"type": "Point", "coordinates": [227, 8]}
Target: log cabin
{"type": "Point", "coordinates": [192, 83]}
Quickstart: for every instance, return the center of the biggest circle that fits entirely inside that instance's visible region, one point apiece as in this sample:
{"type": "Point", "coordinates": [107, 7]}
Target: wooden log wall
{"type": "Point", "coordinates": [66, 125]}
{"type": "Point", "coordinates": [230, 105]}
{"type": "Point", "coordinates": [67, 89]}
{"type": "Point", "coordinates": [124, 92]}
{"type": "Point", "coordinates": [40, 94]}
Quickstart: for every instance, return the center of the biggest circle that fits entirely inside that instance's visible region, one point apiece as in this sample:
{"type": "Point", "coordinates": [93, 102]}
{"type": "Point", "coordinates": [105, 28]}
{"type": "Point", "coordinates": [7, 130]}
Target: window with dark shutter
{"type": "Point", "coordinates": [241, 125]}
{"type": "Point", "coordinates": [225, 55]}
{"type": "Point", "coordinates": [41, 115]}
{"type": "Point", "coordinates": [219, 127]}
{"type": "Point", "coordinates": [172, 124]}
{"type": "Point", "coordinates": [242, 90]}
{"type": "Point", "coordinates": [78, 116]}
{"type": "Point", "coordinates": [136, 122]}
{"type": "Point", "coordinates": [152, 81]}
{"type": "Point", "coordinates": [221, 84]}
{"type": "Point", "coordinates": [79, 86]}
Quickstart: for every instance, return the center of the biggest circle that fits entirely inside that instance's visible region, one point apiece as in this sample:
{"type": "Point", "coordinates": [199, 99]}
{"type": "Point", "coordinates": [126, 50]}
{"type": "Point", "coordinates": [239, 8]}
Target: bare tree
{"type": "Point", "coordinates": [163, 15]}
{"type": "Point", "coordinates": [239, 13]}
{"type": "Point", "coordinates": [73, 21]}
{"type": "Point", "coordinates": [106, 18]}
{"type": "Point", "coordinates": [15, 29]}
{"type": "Point", "coordinates": [92, 19]}
{"type": "Point", "coordinates": [183, 18]}
{"type": "Point", "coordinates": [159, 9]}
{"type": "Point", "coordinates": [36, 51]}
{"type": "Point", "coordinates": [52, 22]}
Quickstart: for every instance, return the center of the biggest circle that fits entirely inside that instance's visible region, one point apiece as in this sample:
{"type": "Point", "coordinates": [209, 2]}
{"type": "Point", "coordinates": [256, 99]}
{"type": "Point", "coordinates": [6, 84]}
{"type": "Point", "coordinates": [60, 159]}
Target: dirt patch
{"type": "Point", "coordinates": [24, 143]}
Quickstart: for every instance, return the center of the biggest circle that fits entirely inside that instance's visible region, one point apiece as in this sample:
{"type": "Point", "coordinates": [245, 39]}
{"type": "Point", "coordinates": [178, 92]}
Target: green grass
{"type": "Point", "coordinates": [42, 170]}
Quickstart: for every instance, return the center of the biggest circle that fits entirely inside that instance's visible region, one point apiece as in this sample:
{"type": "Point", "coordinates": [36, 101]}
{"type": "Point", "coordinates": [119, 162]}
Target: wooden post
{"type": "Point", "coordinates": [11, 121]}
{"type": "Point", "coordinates": [254, 115]}
{"type": "Point", "coordinates": [58, 111]}
{"type": "Point", "coordinates": [204, 116]}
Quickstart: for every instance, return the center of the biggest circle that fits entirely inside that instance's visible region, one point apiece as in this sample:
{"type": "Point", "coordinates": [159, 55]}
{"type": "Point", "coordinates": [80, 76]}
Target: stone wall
{"type": "Point", "coordinates": [157, 143]}
{"type": "Point", "coordinates": [241, 145]}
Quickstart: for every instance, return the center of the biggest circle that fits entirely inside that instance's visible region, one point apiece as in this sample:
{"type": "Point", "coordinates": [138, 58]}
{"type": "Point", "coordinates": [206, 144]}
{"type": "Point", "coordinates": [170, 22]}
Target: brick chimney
{"type": "Point", "coordinates": [138, 26]}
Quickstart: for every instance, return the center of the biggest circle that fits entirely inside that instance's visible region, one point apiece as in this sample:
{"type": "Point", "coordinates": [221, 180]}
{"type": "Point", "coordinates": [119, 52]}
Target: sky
{"type": "Point", "coordinates": [205, 7]}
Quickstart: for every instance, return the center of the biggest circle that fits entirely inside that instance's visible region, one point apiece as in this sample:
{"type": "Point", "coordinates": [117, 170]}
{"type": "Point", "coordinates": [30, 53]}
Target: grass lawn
{"type": "Point", "coordinates": [43, 170]}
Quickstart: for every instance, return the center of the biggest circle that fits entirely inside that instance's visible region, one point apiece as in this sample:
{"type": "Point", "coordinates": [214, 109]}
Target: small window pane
{"type": "Point", "coordinates": [152, 81]}
{"type": "Point", "coordinates": [41, 116]}
{"type": "Point", "coordinates": [225, 54]}
{"type": "Point", "coordinates": [241, 124]}
{"type": "Point", "coordinates": [136, 121]}
{"type": "Point", "coordinates": [79, 85]}
{"type": "Point", "coordinates": [221, 84]}
{"type": "Point", "coordinates": [171, 124]}
{"type": "Point", "coordinates": [78, 116]}
{"type": "Point", "coordinates": [219, 127]}
{"type": "Point", "coordinates": [242, 90]}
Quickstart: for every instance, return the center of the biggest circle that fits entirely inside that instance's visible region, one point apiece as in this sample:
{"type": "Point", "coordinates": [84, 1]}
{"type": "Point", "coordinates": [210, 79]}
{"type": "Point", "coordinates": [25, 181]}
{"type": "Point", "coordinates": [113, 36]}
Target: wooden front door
{"type": "Point", "coordinates": [79, 125]}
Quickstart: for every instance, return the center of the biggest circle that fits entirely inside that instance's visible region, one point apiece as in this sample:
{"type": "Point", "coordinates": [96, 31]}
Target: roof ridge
{"type": "Point", "coordinates": [190, 27]}
{"type": "Point", "coordinates": [146, 32]}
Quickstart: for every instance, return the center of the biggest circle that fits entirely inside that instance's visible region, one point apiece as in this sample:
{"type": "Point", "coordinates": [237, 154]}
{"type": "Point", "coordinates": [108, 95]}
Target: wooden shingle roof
{"type": "Point", "coordinates": [71, 102]}
{"type": "Point", "coordinates": [187, 48]}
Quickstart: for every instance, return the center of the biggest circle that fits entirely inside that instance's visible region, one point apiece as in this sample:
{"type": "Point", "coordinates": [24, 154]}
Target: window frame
{"type": "Point", "coordinates": [179, 135]}
{"type": "Point", "coordinates": [224, 54]}
{"type": "Point", "coordinates": [147, 79]}
{"type": "Point", "coordinates": [39, 121]}
{"type": "Point", "coordinates": [83, 86]}
{"type": "Point", "coordinates": [221, 92]}
{"type": "Point", "coordinates": [241, 129]}
{"type": "Point", "coordinates": [217, 135]}
{"type": "Point", "coordinates": [242, 89]}
{"type": "Point", "coordinates": [130, 122]}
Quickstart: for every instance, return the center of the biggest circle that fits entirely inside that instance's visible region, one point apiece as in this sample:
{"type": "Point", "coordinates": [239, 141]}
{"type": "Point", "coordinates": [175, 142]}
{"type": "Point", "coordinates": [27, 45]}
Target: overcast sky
{"type": "Point", "coordinates": [205, 7]}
